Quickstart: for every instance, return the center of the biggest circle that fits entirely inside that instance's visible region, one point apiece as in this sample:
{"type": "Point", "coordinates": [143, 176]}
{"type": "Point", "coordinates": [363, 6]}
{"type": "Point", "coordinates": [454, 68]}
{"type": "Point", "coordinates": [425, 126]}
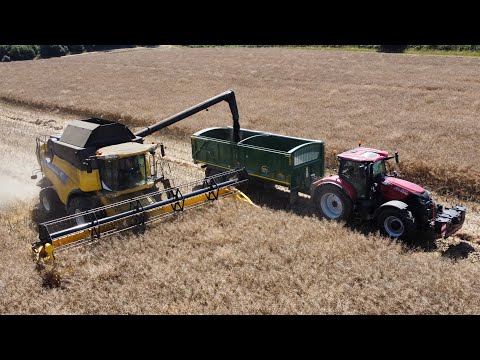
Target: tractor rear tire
{"type": "Point", "coordinates": [396, 224]}
{"type": "Point", "coordinates": [49, 200]}
{"type": "Point", "coordinates": [333, 203]}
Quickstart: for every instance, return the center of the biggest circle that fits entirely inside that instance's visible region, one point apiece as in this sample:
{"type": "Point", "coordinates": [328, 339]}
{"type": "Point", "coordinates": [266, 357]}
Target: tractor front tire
{"type": "Point", "coordinates": [49, 200]}
{"type": "Point", "coordinates": [396, 224]}
{"type": "Point", "coordinates": [333, 203]}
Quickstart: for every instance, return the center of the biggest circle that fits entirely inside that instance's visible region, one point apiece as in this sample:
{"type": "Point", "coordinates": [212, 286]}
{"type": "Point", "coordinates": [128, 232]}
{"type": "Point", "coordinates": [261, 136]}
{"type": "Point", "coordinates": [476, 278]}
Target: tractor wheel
{"type": "Point", "coordinates": [78, 205]}
{"type": "Point", "coordinates": [49, 200]}
{"type": "Point", "coordinates": [396, 224]}
{"type": "Point", "coordinates": [333, 203]}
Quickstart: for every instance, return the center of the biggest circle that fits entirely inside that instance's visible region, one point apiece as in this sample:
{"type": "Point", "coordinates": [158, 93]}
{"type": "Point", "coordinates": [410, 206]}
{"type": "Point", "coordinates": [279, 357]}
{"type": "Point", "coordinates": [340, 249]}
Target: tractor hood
{"type": "Point", "coordinates": [403, 185]}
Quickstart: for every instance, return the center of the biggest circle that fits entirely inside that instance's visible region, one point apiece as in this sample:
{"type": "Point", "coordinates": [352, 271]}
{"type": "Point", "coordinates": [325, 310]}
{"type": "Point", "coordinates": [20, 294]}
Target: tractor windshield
{"type": "Point", "coordinates": [124, 173]}
{"type": "Point", "coordinates": [354, 172]}
{"type": "Point", "coordinates": [379, 168]}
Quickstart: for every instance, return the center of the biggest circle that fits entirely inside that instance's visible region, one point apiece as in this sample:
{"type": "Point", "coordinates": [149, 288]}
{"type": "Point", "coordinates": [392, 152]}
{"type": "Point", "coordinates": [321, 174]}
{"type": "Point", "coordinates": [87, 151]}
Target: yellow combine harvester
{"type": "Point", "coordinates": [108, 180]}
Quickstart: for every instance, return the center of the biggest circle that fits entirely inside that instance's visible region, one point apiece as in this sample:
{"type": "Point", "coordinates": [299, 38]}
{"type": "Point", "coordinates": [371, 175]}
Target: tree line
{"type": "Point", "coordinates": [380, 48]}
{"type": "Point", "coordinates": [30, 52]}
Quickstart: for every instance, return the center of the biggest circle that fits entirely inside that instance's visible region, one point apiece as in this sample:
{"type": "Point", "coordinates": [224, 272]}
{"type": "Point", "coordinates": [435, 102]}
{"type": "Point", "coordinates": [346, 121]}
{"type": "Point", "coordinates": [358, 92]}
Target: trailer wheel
{"type": "Point", "coordinates": [212, 171]}
{"type": "Point", "coordinates": [49, 200]}
{"type": "Point", "coordinates": [209, 171]}
{"type": "Point", "coordinates": [396, 223]}
{"type": "Point", "coordinates": [333, 203]}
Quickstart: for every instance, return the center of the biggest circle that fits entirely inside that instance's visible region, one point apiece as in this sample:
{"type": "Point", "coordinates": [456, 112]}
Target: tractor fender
{"type": "Point", "coordinates": [337, 181]}
{"type": "Point", "coordinates": [400, 205]}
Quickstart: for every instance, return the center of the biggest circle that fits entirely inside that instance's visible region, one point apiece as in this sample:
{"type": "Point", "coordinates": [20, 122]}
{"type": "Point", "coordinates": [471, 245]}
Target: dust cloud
{"type": "Point", "coordinates": [20, 127]}
{"type": "Point", "coordinates": [13, 189]}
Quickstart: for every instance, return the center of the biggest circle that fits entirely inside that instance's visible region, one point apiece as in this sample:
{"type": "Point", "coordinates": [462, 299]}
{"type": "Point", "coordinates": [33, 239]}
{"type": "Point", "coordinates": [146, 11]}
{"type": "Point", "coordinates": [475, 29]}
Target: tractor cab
{"type": "Point", "coordinates": [364, 169]}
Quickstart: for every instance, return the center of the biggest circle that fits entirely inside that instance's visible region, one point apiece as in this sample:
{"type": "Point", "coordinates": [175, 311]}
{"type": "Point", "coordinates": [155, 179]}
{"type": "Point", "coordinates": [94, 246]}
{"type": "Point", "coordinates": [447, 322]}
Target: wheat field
{"type": "Point", "coordinates": [231, 258]}
{"type": "Point", "coordinates": [426, 106]}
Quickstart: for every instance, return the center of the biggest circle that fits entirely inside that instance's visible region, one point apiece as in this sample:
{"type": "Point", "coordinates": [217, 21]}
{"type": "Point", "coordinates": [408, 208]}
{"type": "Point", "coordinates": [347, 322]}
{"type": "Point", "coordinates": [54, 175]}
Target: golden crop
{"type": "Point", "coordinates": [231, 258]}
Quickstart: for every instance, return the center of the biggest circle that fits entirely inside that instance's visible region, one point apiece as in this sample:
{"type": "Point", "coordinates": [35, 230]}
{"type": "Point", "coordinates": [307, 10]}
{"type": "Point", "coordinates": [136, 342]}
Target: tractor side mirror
{"type": "Point", "coordinates": [396, 157]}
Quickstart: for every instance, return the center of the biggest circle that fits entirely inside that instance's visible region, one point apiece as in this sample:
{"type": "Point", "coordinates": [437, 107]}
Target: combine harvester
{"type": "Point", "coordinates": [106, 178]}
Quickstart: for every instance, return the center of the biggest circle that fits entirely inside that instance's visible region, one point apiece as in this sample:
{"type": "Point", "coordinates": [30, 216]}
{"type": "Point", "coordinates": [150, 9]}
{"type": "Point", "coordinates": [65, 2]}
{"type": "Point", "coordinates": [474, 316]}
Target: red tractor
{"type": "Point", "coordinates": [363, 190]}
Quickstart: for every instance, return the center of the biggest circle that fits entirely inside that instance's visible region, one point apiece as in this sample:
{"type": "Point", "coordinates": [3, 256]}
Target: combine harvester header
{"type": "Point", "coordinates": [78, 229]}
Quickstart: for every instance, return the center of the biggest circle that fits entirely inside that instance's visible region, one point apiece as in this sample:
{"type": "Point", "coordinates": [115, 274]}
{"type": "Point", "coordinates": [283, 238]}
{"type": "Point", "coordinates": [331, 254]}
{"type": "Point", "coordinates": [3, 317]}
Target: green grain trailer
{"type": "Point", "coordinates": [288, 161]}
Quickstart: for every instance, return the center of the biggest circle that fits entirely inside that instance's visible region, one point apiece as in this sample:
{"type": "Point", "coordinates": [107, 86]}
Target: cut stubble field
{"type": "Point", "coordinates": [230, 257]}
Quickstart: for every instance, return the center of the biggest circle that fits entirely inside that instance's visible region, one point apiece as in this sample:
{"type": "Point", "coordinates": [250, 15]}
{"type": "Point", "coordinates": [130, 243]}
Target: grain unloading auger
{"type": "Point", "coordinates": [106, 178]}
